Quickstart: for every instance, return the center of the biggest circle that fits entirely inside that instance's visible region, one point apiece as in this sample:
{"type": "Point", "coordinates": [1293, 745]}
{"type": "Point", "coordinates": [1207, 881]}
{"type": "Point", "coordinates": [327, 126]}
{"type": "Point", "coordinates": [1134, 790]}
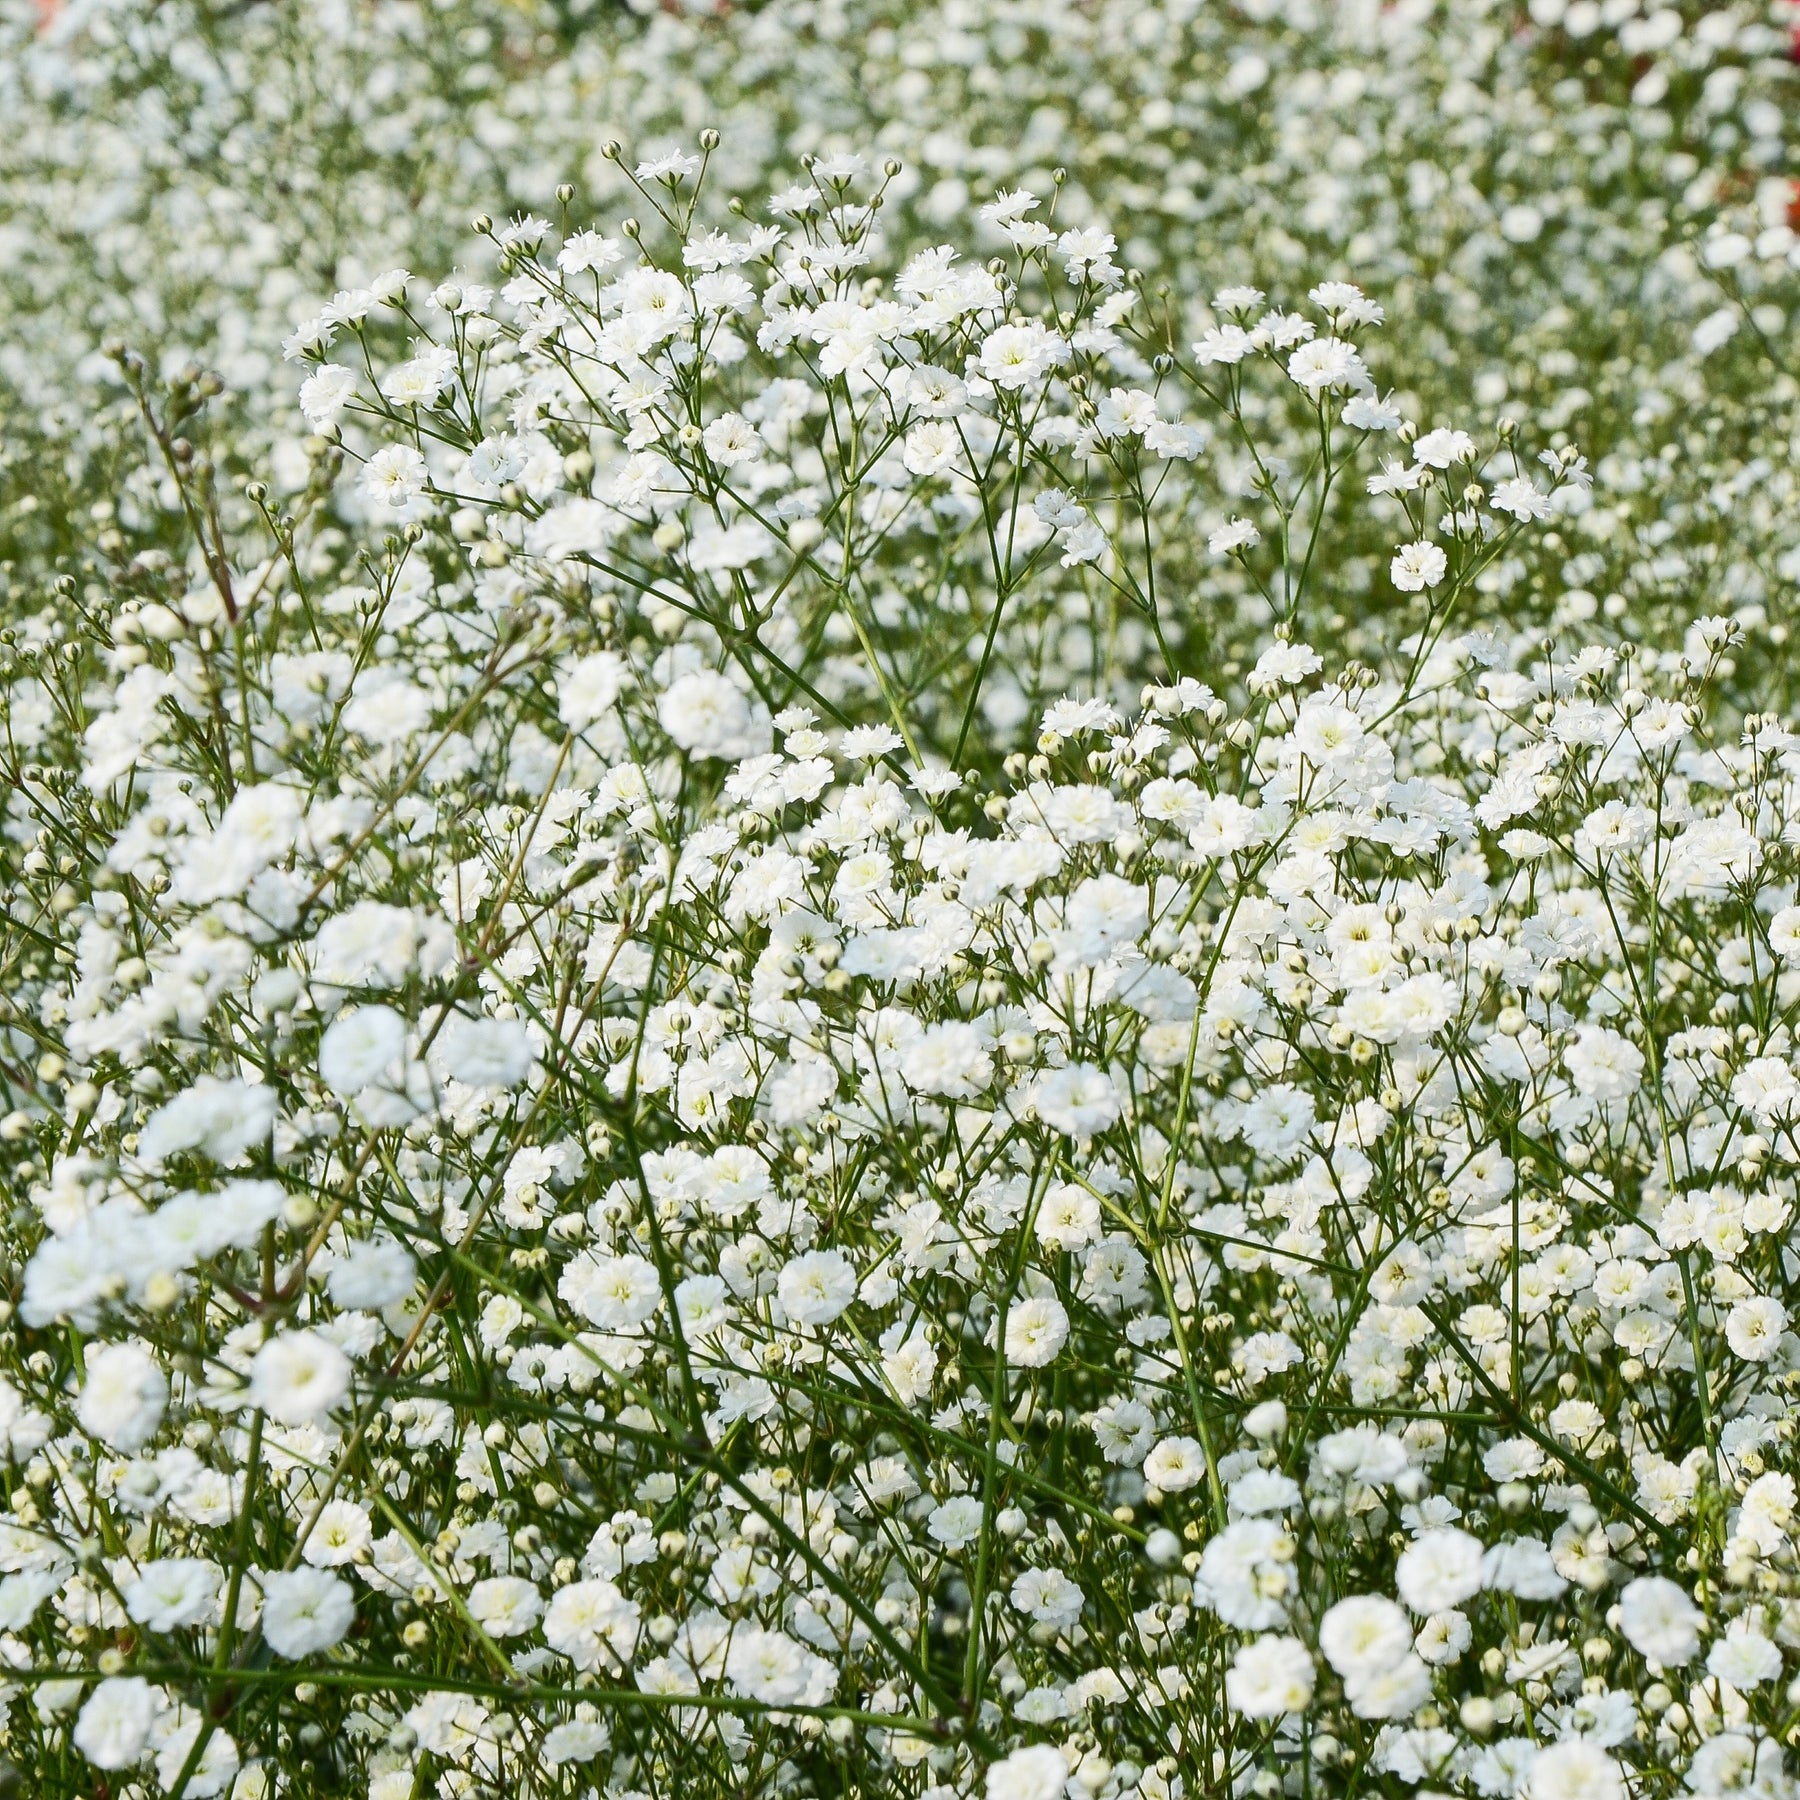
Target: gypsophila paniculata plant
{"type": "Point", "coordinates": [1575, 214]}
{"type": "Point", "coordinates": [732, 1066]}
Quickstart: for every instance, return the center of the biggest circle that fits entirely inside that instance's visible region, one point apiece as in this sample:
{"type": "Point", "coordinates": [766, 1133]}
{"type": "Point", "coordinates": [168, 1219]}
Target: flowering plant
{"type": "Point", "coordinates": [842, 1016]}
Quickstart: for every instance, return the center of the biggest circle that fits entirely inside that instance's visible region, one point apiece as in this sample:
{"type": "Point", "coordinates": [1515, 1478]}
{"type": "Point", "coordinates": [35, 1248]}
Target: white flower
{"type": "Point", "coordinates": [1068, 1216]}
{"type": "Point", "coordinates": [1246, 1574]}
{"type": "Point", "coordinates": [1037, 1772]}
{"type": "Point", "coordinates": [213, 1771]}
{"type": "Point", "coordinates": [1660, 1621]}
{"type": "Point", "coordinates": [305, 1611]}
{"type": "Point", "coordinates": [957, 1522]}
{"type": "Point", "coordinates": [1766, 1087]}
{"type": "Point", "coordinates": [342, 1534]}
{"type": "Point", "coordinates": [1037, 1327]}
{"type": "Point", "coordinates": [1284, 665]}
{"type": "Point", "coordinates": [1077, 1099]}
{"type": "Point", "coordinates": [1744, 1659]}
{"type": "Point", "coordinates": [496, 459]}
{"type": "Point", "coordinates": [575, 1741]}
{"type": "Point", "coordinates": [585, 250]}
{"type": "Point", "coordinates": [1604, 1065]}
{"type": "Point", "coordinates": [123, 1396]}
{"type": "Point", "coordinates": [1394, 1692]}
{"type": "Point", "coordinates": [1269, 1678]}
{"type": "Point", "coordinates": [421, 380]}
{"type": "Point", "coordinates": [1439, 449]}
{"type": "Point", "coordinates": [1718, 327]}
{"type": "Point", "coordinates": [1418, 566]}
{"type": "Point", "coordinates": [1523, 1567]}
{"type": "Point", "coordinates": [731, 439]}
{"type": "Point", "coordinates": [372, 1273]}
{"type": "Point", "coordinates": [589, 687]}
{"type": "Point", "coordinates": [1574, 1769]}
{"type": "Point", "coordinates": [1440, 1569]}
{"type": "Point", "coordinates": [1615, 827]}
{"type": "Point", "coordinates": [483, 1053]}
{"type": "Point", "coordinates": [589, 1620]}
{"type": "Point", "coordinates": [1014, 356]}
{"type": "Point", "coordinates": [817, 1286]}
{"type": "Point", "coordinates": [324, 393]}
{"type": "Point", "coordinates": [395, 476]}
{"type": "Point", "coordinates": [1326, 365]}
{"type": "Point", "coordinates": [1784, 934]}
{"type": "Point", "coordinates": [769, 1666]}
{"type": "Point", "coordinates": [1521, 224]}
{"type": "Point", "coordinates": [175, 1592]}
{"type": "Point", "coordinates": [1175, 1464]}
{"type": "Point", "coordinates": [1048, 1596]}
{"type": "Point", "coordinates": [1364, 1635]}
{"type": "Point", "coordinates": [707, 716]}
{"type": "Point", "coordinates": [364, 1045]}
{"type": "Point", "coordinates": [617, 1293]}
{"type": "Point", "coordinates": [1522, 498]}
{"type": "Point", "coordinates": [1265, 1422]}
{"type": "Point", "coordinates": [1443, 1638]}
{"type": "Point", "coordinates": [1753, 1328]}
{"type": "Point", "coordinates": [372, 945]}
{"type": "Point", "coordinates": [221, 1119]}
{"type": "Point", "coordinates": [1365, 412]}
{"type": "Point", "coordinates": [909, 1365]}
{"type": "Point", "coordinates": [949, 1059]}
{"type": "Point", "coordinates": [116, 1718]}
{"type": "Point", "coordinates": [299, 1376]}
{"type": "Point", "coordinates": [1223, 344]}
{"type": "Point", "coordinates": [1766, 1517]}
{"type": "Point", "coordinates": [505, 1605]}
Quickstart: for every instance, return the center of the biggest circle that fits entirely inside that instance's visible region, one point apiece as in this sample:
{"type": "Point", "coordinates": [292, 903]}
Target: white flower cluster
{"type": "Point", "coordinates": [864, 1001]}
{"type": "Point", "coordinates": [1575, 211]}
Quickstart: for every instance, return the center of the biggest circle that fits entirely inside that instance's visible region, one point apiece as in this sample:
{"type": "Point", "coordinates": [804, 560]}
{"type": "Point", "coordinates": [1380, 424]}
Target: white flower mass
{"type": "Point", "coordinates": [900, 901]}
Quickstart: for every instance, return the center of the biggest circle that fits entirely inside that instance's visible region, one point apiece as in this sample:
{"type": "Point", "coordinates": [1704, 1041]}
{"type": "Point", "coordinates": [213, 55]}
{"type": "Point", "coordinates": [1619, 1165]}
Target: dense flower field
{"type": "Point", "coordinates": [900, 901]}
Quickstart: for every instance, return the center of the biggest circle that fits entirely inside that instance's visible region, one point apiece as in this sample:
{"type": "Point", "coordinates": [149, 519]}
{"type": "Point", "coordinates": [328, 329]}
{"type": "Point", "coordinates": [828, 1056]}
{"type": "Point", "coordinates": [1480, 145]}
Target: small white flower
{"type": "Point", "coordinates": [324, 394]}
{"type": "Point", "coordinates": [1439, 449]}
{"type": "Point", "coordinates": [1439, 1570]}
{"type": "Point", "coordinates": [115, 1723]}
{"type": "Point", "coordinates": [365, 1045]}
{"type": "Point", "coordinates": [395, 476]}
{"type": "Point", "coordinates": [1364, 1635]}
{"type": "Point", "coordinates": [1575, 1769]}
{"type": "Point", "coordinates": [590, 1621]}
{"type": "Point", "coordinates": [1175, 1464]}
{"type": "Point", "coordinates": [1077, 1099]}
{"type": "Point", "coordinates": [707, 716]}
{"type": "Point", "coordinates": [174, 1592]}
{"type": "Point", "coordinates": [1744, 1659]}
{"type": "Point", "coordinates": [123, 1396]}
{"type": "Point", "coordinates": [1270, 1678]}
{"type": "Point", "coordinates": [817, 1286]}
{"type": "Point", "coordinates": [305, 1611]}
{"type": "Point", "coordinates": [1660, 1621]}
{"type": "Point", "coordinates": [1233, 536]}
{"type": "Point", "coordinates": [1048, 1596]}
{"type": "Point", "coordinates": [1418, 566]}
{"type": "Point", "coordinates": [1754, 1326]}
{"type": "Point", "coordinates": [730, 440]}
{"type": "Point", "coordinates": [1037, 1327]}
{"type": "Point", "coordinates": [1037, 1772]}
{"type": "Point", "coordinates": [342, 1534]}
{"type": "Point", "coordinates": [505, 1605]}
{"type": "Point", "coordinates": [957, 1522]}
